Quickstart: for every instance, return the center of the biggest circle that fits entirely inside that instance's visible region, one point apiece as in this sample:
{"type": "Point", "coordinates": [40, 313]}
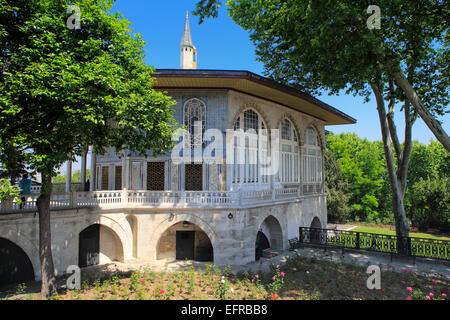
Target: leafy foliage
{"type": "Point", "coordinates": [63, 89]}
{"type": "Point", "coordinates": [362, 166]}
{"type": "Point", "coordinates": [337, 189]}
{"type": "Point", "coordinates": [357, 183]}
{"type": "Point", "coordinates": [320, 45]}
{"type": "Point", "coordinates": [7, 191]}
{"type": "Point", "coordinates": [430, 204]}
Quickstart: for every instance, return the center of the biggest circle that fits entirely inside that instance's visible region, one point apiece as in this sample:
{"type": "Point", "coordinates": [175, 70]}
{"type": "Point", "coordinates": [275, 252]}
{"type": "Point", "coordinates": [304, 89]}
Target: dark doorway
{"type": "Point", "coordinates": [261, 243]}
{"type": "Point", "coordinates": [15, 266]}
{"type": "Point", "coordinates": [89, 246]}
{"type": "Point", "coordinates": [185, 245]}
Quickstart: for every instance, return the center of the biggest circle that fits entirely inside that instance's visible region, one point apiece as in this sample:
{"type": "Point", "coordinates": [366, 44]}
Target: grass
{"type": "Point", "coordinates": [299, 279]}
{"type": "Point", "coordinates": [387, 231]}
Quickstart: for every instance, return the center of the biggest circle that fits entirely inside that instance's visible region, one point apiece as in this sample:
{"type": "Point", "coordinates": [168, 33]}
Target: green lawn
{"type": "Point", "coordinates": [392, 232]}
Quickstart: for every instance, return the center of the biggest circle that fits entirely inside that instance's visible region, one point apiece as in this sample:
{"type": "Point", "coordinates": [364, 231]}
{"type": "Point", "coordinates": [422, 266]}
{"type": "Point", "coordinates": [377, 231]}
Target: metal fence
{"type": "Point", "coordinates": [410, 246]}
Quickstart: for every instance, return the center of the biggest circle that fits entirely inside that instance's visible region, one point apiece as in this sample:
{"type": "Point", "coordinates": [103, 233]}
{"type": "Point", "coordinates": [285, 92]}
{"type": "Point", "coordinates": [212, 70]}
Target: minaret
{"type": "Point", "coordinates": [188, 57]}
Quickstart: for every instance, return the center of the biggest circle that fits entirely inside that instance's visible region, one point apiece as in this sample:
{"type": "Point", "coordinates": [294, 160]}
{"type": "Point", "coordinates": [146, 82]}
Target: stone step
{"type": "Point", "coordinates": [270, 253]}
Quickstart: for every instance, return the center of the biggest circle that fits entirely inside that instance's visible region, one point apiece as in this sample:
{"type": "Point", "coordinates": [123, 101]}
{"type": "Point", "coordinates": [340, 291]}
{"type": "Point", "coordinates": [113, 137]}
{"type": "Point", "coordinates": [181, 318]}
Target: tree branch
{"type": "Point", "coordinates": [391, 124]}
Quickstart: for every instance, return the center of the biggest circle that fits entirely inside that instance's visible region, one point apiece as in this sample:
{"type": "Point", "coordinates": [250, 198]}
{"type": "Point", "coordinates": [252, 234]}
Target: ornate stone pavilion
{"type": "Point", "coordinates": [146, 208]}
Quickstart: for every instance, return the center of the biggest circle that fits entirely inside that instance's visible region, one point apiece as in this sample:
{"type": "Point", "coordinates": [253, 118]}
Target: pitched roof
{"type": "Point", "coordinates": [252, 84]}
{"type": "Point", "coordinates": [186, 40]}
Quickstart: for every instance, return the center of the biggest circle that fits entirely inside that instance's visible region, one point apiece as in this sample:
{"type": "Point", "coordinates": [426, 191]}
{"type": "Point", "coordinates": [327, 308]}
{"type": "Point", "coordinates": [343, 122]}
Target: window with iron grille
{"type": "Point", "coordinates": [118, 178]}
{"type": "Point", "coordinates": [155, 176]}
{"type": "Point", "coordinates": [105, 178]}
{"type": "Point", "coordinates": [195, 122]}
{"type": "Point", "coordinates": [193, 177]}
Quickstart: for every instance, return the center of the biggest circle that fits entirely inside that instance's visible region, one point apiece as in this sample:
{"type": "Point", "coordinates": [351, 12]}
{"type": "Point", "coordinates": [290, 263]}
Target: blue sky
{"type": "Point", "coordinates": [221, 44]}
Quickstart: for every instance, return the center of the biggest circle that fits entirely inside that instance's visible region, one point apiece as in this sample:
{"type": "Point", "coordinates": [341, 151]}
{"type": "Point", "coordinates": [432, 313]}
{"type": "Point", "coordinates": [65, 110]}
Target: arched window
{"type": "Point", "coordinates": [312, 172]}
{"type": "Point", "coordinates": [250, 146]}
{"type": "Point", "coordinates": [195, 122]}
{"type": "Point", "coordinates": [289, 154]}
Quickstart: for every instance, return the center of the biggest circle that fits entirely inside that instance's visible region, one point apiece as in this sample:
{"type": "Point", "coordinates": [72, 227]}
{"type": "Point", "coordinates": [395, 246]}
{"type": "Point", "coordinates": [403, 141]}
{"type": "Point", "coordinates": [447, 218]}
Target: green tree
{"type": "Point", "coordinates": [323, 45]}
{"type": "Point", "coordinates": [63, 89]}
{"type": "Point", "coordinates": [8, 191]}
{"type": "Point", "coordinates": [337, 189]}
{"type": "Point", "coordinates": [430, 204]}
{"type": "Point", "coordinates": [363, 167]}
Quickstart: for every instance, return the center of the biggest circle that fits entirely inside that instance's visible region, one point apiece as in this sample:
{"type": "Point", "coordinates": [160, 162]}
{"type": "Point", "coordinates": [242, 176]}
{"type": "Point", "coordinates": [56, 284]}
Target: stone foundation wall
{"type": "Point", "coordinates": [134, 234]}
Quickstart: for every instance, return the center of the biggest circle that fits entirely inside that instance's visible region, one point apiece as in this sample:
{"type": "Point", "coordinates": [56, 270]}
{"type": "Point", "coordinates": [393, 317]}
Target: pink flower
{"type": "Point", "coordinates": [434, 282]}
{"type": "Point", "coordinates": [404, 270]}
{"type": "Point", "coordinates": [278, 266]}
{"type": "Point", "coordinates": [390, 266]}
{"type": "Point", "coordinates": [409, 289]}
{"type": "Point", "coordinates": [161, 291]}
{"type": "Point", "coordinates": [282, 274]}
{"type": "Point", "coordinates": [428, 298]}
{"type": "Point", "coordinates": [381, 291]}
{"type": "Point", "coordinates": [273, 278]}
{"type": "Point", "coordinates": [431, 294]}
{"type": "Point", "coordinates": [142, 281]}
{"type": "Point", "coordinates": [409, 298]}
{"type": "Point", "coordinates": [444, 295]}
{"type": "Point", "coordinates": [411, 272]}
{"type": "Point", "coordinates": [253, 280]}
{"type": "Point", "coordinates": [256, 276]}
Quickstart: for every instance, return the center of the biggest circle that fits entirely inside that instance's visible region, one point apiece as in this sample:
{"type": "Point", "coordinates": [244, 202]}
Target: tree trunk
{"type": "Point", "coordinates": [401, 223]}
{"type": "Point", "coordinates": [48, 287]}
{"type": "Point", "coordinates": [423, 112]}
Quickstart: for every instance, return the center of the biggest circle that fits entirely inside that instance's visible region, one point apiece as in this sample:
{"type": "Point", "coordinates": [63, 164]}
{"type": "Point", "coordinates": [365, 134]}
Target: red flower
{"type": "Point", "coordinates": [381, 291]}
{"type": "Point", "coordinates": [409, 298]}
{"type": "Point", "coordinates": [275, 296]}
{"type": "Point", "coordinates": [142, 281]}
{"type": "Point", "coordinates": [161, 291]}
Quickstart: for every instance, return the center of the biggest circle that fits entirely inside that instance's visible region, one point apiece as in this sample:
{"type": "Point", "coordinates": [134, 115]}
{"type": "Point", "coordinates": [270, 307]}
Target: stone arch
{"type": "Point", "coordinates": [16, 265]}
{"type": "Point", "coordinates": [315, 223]}
{"type": "Point", "coordinates": [119, 226]}
{"type": "Point", "coordinates": [320, 136]}
{"type": "Point", "coordinates": [172, 220]}
{"type": "Point", "coordinates": [103, 246]}
{"type": "Point", "coordinates": [272, 229]}
{"type": "Point", "coordinates": [316, 235]}
{"type": "Point", "coordinates": [251, 106]}
{"type": "Point", "coordinates": [294, 125]}
{"type": "Point", "coordinates": [27, 247]}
